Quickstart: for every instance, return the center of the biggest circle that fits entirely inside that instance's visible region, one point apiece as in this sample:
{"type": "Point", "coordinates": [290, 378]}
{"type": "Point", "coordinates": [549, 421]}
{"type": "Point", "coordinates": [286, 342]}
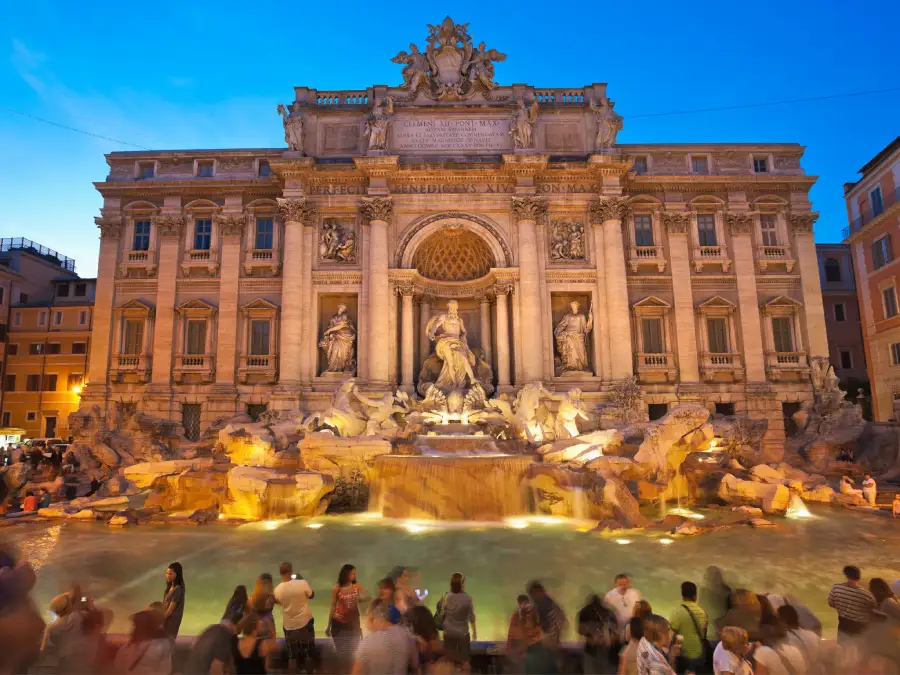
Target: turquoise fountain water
{"type": "Point", "coordinates": [124, 568]}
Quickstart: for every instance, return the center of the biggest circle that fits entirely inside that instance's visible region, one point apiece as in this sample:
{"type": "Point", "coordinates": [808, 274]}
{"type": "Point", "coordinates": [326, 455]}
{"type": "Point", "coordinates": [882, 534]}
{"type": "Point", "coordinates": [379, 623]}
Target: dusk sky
{"type": "Point", "coordinates": [187, 75]}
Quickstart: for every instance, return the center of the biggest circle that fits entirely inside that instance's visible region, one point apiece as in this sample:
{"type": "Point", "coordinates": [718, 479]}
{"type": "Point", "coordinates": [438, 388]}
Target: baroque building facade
{"type": "Point", "coordinates": [222, 272]}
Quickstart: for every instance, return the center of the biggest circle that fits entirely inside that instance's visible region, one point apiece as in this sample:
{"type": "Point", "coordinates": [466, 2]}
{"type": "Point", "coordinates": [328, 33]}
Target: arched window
{"type": "Point", "coordinates": [832, 270]}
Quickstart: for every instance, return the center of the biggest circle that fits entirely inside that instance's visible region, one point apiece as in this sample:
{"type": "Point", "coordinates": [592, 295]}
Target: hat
{"type": "Point", "coordinates": [392, 615]}
{"type": "Point", "coordinates": [61, 604]}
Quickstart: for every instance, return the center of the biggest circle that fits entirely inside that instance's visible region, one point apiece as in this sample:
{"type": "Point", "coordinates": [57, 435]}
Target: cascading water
{"type": "Point", "coordinates": [458, 487]}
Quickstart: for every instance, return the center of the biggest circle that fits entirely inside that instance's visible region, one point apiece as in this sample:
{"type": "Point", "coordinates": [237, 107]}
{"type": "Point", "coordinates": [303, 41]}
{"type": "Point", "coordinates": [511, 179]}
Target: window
{"type": "Point", "coordinates": [882, 252]}
{"type": "Point", "coordinates": [10, 383]}
{"type": "Point", "coordinates": [79, 347]}
{"type": "Point", "coordinates": [17, 318]}
{"type": "Point", "coordinates": [832, 270]}
{"type": "Point", "coordinates": [726, 409]}
{"type": "Point", "coordinates": [50, 382]}
{"type": "Point", "coordinates": [717, 335]}
{"type": "Point", "coordinates": [53, 348]}
{"type": "Point", "coordinates": [706, 229]}
{"type": "Point", "coordinates": [80, 290]}
{"type": "Point", "coordinates": [876, 201]}
{"type": "Point", "coordinates": [146, 170]}
{"type": "Point", "coordinates": [7, 419]}
{"type": "Point", "coordinates": [657, 410]}
{"type": "Point", "coordinates": [264, 232]}
{"type": "Point", "coordinates": [2, 332]}
{"type": "Point", "coordinates": [699, 165]}
{"type": "Point", "coordinates": [62, 291]}
{"type": "Point", "coordinates": [840, 311]}
{"type": "Point", "coordinates": [760, 165]}
{"type": "Point", "coordinates": [30, 416]}
{"type": "Point", "coordinates": [890, 302]}
{"type": "Point", "coordinates": [57, 318]}
{"type": "Point", "coordinates": [1, 294]}
{"type": "Point", "coordinates": [259, 337]}
{"type": "Point", "coordinates": [42, 318]}
{"type": "Point", "coordinates": [768, 224]}
{"type": "Point", "coordinates": [202, 234]}
{"type": "Point", "coordinates": [195, 342]}
{"type": "Point", "coordinates": [133, 339]}
{"type": "Point", "coordinates": [82, 317]}
{"type": "Point", "coordinates": [895, 354]}
{"type": "Point", "coordinates": [75, 380]}
{"type": "Point", "coordinates": [205, 169]}
{"type": "Point", "coordinates": [782, 334]}
{"type": "Point", "coordinates": [643, 230]}
{"type": "Point", "coordinates": [23, 297]}
{"type": "Point", "coordinates": [846, 359]}
{"type": "Point", "coordinates": [190, 420]}
{"type": "Point", "coordinates": [254, 410]}
{"type": "Point", "coordinates": [33, 383]}
{"type": "Point", "coordinates": [264, 169]}
{"type": "Point", "coordinates": [141, 239]}
{"type": "Point", "coordinates": [36, 348]}
{"type": "Point", "coordinates": [12, 349]}
{"type": "Point", "coordinates": [651, 331]}
{"type": "Point", "coordinates": [640, 165]}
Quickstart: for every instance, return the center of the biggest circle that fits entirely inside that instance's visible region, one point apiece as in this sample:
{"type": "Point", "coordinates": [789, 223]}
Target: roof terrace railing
{"type": "Point", "coordinates": [48, 254]}
{"type": "Point", "coordinates": [869, 215]}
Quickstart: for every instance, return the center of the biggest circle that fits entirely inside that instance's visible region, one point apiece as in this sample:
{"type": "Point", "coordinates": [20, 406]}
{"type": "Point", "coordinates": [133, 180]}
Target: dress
{"type": "Point", "coordinates": [570, 334]}
{"type": "Point", "coordinates": [173, 622]}
{"type": "Point", "coordinates": [345, 626]}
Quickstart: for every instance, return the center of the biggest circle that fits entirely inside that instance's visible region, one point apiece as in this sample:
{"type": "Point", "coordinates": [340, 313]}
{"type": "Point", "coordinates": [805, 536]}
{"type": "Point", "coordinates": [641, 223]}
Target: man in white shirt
{"type": "Point", "coordinates": [293, 595]}
{"type": "Point", "coordinates": [621, 599]}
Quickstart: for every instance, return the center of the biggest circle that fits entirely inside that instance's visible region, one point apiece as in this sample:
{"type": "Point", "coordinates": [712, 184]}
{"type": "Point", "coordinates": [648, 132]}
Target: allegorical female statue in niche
{"type": "Point", "coordinates": [571, 337]}
{"type": "Point", "coordinates": [338, 343]}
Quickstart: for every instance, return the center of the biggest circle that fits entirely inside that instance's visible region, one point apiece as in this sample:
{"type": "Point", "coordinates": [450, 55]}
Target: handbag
{"type": "Point", "coordinates": [439, 612]}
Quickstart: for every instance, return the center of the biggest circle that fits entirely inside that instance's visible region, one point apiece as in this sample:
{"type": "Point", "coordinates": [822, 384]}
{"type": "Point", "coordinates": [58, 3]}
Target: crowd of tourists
{"type": "Point", "coordinates": [714, 629]}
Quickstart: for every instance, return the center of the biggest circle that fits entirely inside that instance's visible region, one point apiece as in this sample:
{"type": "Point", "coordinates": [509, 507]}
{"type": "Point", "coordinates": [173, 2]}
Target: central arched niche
{"type": "Point", "coordinates": [453, 253]}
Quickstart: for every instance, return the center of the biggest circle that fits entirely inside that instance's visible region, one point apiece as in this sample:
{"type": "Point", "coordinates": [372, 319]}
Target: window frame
{"type": "Point", "coordinates": [140, 239]}
{"type": "Point", "coordinates": [826, 267]}
{"type": "Point", "coordinates": [699, 158]}
{"type": "Point", "coordinates": [885, 249]}
{"type": "Point", "coordinates": [59, 290]}
{"type": "Point", "coordinates": [83, 350]}
{"type": "Point", "coordinates": [646, 165]}
{"type": "Point", "coordinates": [270, 234]}
{"type": "Point", "coordinates": [769, 218]}
{"type": "Point", "coordinates": [714, 230]}
{"type": "Point", "coordinates": [145, 169]}
{"type": "Point", "coordinates": [884, 301]}
{"type": "Point", "coordinates": [876, 205]}
{"type": "Point", "coordinates": [206, 168]}
{"type": "Point", "coordinates": [202, 237]}
{"type": "Point", "coordinates": [33, 383]}
{"type": "Point", "coordinates": [778, 335]}
{"type": "Point", "coordinates": [765, 164]}
{"type": "Point", "coordinates": [141, 343]}
{"type": "Point", "coordinates": [843, 313]}
{"type": "Point", "coordinates": [57, 317]}
{"type": "Point", "coordinates": [50, 379]}
{"type": "Point", "coordinates": [849, 353]}
{"type": "Point", "coordinates": [894, 349]}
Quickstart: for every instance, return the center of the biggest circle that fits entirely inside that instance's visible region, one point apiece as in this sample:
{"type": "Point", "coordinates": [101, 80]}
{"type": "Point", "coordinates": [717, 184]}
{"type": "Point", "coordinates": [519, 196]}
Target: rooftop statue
{"type": "Point", "coordinates": [522, 123]}
{"type": "Point", "coordinates": [293, 126]}
{"type": "Point", "coordinates": [378, 123]}
{"type": "Point", "coordinates": [609, 124]}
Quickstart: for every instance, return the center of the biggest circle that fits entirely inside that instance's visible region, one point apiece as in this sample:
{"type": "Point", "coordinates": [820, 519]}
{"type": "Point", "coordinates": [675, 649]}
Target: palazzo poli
{"type": "Point", "coordinates": [453, 229]}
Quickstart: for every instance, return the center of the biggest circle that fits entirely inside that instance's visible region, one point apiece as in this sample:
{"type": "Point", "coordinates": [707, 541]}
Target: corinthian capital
{"type": "Point", "coordinates": [169, 225]}
{"type": "Point", "coordinates": [529, 208]}
{"type": "Point", "coordinates": [609, 208]}
{"type": "Point", "coordinates": [231, 224]}
{"type": "Point", "coordinates": [296, 210]}
{"type": "Point", "coordinates": [110, 228]}
{"type": "Point", "coordinates": [676, 223]}
{"type": "Point", "coordinates": [803, 222]}
{"type": "Point", "coordinates": [739, 223]}
{"type": "Point", "coordinates": [376, 208]}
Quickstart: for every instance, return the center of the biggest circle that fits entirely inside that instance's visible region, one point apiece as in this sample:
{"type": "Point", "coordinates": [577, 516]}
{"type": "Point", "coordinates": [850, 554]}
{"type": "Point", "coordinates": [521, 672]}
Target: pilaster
{"type": "Point", "coordinates": [748, 298]}
{"type": "Point", "coordinates": [295, 213]}
{"type": "Point", "coordinates": [808, 263]}
{"type": "Point", "coordinates": [408, 338]}
{"type": "Point", "coordinates": [104, 302]}
{"type": "Point", "coordinates": [169, 228]}
{"type": "Point", "coordinates": [676, 224]}
{"type": "Point", "coordinates": [503, 341]}
{"type": "Point", "coordinates": [377, 211]}
{"type": "Point", "coordinates": [527, 210]}
{"type": "Point", "coordinates": [231, 230]}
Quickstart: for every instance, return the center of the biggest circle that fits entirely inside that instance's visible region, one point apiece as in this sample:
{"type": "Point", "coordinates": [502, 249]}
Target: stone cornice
{"type": "Point", "coordinates": [608, 208]}
{"type": "Point", "coordinates": [526, 165]}
{"type": "Point", "coordinates": [110, 228]}
{"type": "Point", "coordinates": [376, 208]}
{"type": "Point", "coordinates": [529, 208]}
{"type": "Point", "coordinates": [168, 226]}
{"type": "Point", "coordinates": [294, 167]}
{"type": "Point", "coordinates": [377, 167]}
{"type": "Point", "coordinates": [296, 210]}
{"type": "Point", "coordinates": [609, 166]}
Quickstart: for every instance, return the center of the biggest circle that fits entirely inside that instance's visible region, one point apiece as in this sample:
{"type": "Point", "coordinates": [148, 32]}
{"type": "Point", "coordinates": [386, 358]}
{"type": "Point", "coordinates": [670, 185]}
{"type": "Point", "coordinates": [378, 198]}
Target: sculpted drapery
{"type": "Point", "coordinates": [571, 333]}
{"type": "Point", "coordinates": [338, 341]}
{"type": "Point", "coordinates": [448, 333]}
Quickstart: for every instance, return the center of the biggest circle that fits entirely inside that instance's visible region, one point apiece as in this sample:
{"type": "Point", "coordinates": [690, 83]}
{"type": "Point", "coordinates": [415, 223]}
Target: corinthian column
{"type": "Point", "coordinates": [231, 230]}
{"type": "Point", "coordinates": [676, 225]}
{"type": "Point", "coordinates": [740, 225]}
{"type": "Point", "coordinates": [484, 302]}
{"type": "Point", "coordinates": [101, 335]}
{"type": "Point", "coordinates": [611, 211]}
{"type": "Point", "coordinates": [169, 229]}
{"type": "Point", "coordinates": [527, 210]}
{"type": "Point", "coordinates": [294, 213]}
{"type": "Point", "coordinates": [502, 336]}
{"type": "Point", "coordinates": [376, 211]}
{"type": "Point", "coordinates": [802, 227]}
{"type": "Point", "coordinates": [424, 315]}
{"type": "Point", "coordinates": [407, 337]}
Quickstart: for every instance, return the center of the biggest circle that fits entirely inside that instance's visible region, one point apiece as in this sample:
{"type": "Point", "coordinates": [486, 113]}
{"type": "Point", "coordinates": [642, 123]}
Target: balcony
{"type": "Point", "coordinates": [711, 256]}
{"type": "Point", "coordinates": [655, 367]}
{"type": "Point", "coordinates": [889, 202]}
{"type": "Point", "coordinates": [135, 367]}
{"type": "Point", "coordinates": [721, 367]}
{"type": "Point", "coordinates": [650, 256]}
{"type": "Point", "coordinates": [205, 259]}
{"type": "Point", "coordinates": [774, 255]}
{"type": "Point", "coordinates": [258, 368]}
{"type": "Point", "coordinates": [786, 366]}
{"type": "Point", "coordinates": [261, 258]}
{"type": "Point", "coordinates": [138, 260]}
{"type": "Point", "coordinates": [194, 368]}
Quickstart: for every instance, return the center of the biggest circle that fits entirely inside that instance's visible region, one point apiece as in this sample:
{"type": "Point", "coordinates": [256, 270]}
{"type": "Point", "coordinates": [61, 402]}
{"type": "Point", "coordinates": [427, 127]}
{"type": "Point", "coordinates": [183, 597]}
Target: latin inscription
{"type": "Point", "coordinates": [450, 134]}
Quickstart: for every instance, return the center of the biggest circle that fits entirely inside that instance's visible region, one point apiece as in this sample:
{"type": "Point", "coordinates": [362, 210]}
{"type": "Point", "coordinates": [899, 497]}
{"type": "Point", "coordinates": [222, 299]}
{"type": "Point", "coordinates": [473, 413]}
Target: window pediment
{"type": "Point", "coordinates": [716, 305]}
{"type": "Point", "coordinates": [781, 305]}
{"type": "Point", "coordinates": [196, 307]}
{"type": "Point", "coordinates": [135, 309]}
{"type": "Point", "coordinates": [651, 306]}
{"type": "Point", "coordinates": [259, 308]}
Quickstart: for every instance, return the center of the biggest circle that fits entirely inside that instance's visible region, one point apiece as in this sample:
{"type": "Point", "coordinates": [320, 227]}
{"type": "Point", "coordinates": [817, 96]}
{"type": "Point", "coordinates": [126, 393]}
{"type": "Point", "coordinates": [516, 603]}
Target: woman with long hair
{"type": "Point", "coordinates": [173, 599]}
{"type": "Point", "coordinates": [237, 606]}
{"type": "Point", "coordinates": [262, 600]}
{"type": "Point", "coordinates": [457, 612]}
{"type": "Point", "coordinates": [343, 617]}
{"type": "Point", "coordinates": [252, 649]}
{"type": "Point", "coordinates": [887, 607]}
{"type": "Point", "coordinates": [149, 648]}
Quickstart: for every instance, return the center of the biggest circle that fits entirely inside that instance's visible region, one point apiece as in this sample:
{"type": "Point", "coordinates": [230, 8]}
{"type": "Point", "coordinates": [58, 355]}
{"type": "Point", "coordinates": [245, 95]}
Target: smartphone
{"type": "Point", "coordinates": [84, 598]}
{"type": "Point", "coordinates": [293, 576]}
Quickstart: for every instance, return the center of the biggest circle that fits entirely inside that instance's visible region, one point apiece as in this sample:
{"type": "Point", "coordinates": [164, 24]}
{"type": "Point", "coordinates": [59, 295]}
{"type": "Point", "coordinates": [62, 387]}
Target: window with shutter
{"type": "Point", "coordinates": [717, 335]}
{"type": "Point", "coordinates": [706, 229]}
{"type": "Point", "coordinates": [264, 230]}
{"type": "Point", "coordinates": [133, 340]}
{"type": "Point", "coordinates": [259, 337]}
{"type": "Point", "coordinates": [653, 336]}
{"type": "Point", "coordinates": [643, 230]}
{"type": "Point", "coordinates": [890, 302]}
{"type": "Point", "coordinates": [196, 337]}
{"type": "Point", "coordinates": [202, 234]}
{"type": "Point", "coordinates": [768, 229]}
{"type": "Point", "coordinates": [782, 335]}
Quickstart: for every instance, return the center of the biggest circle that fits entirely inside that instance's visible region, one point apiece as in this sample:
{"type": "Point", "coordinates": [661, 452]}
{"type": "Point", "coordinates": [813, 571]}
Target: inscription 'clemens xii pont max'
{"type": "Point", "coordinates": [451, 134]}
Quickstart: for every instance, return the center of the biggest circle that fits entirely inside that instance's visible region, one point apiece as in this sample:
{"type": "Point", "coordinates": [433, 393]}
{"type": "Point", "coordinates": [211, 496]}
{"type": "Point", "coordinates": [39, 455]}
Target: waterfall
{"type": "Point", "coordinates": [797, 509]}
{"type": "Point", "coordinates": [579, 504]}
{"type": "Point", "coordinates": [450, 488]}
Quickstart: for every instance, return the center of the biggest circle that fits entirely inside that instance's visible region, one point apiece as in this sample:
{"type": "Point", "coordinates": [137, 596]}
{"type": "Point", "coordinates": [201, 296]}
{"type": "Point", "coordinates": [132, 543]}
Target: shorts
{"type": "Point", "coordinates": [301, 642]}
{"type": "Point", "coordinates": [457, 647]}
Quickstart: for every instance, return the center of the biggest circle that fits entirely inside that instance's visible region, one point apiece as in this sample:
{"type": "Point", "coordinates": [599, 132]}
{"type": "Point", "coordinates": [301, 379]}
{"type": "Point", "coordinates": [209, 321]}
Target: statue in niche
{"type": "Point", "coordinates": [378, 123]}
{"type": "Point", "coordinates": [293, 126]}
{"type": "Point", "coordinates": [521, 124]}
{"type": "Point", "coordinates": [571, 337]}
{"type": "Point", "coordinates": [609, 123]}
{"type": "Point", "coordinates": [337, 242]}
{"type": "Point", "coordinates": [566, 240]}
{"type": "Point", "coordinates": [448, 332]}
{"type": "Point", "coordinates": [338, 342]}
{"type": "Point", "coordinates": [415, 71]}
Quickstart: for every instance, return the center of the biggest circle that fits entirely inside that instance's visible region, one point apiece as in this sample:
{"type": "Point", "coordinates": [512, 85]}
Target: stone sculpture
{"type": "Point", "coordinates": [380, 412]}
{"type": "Point", "coordinates": [340, 417]}
{"type": "Point", "coordinates": [337, 243]}
{"type": "Point", "coordinates": [415, 71]}
{"type": "Point", "coordinates": [528, 417]}
{"type": "Point", "coordinates": [609, 124]}
{"type": "Point", "coordinates": [293, 126]}
{"type": "Point", "coordinates": [379, 122]}
{"type": "Point", "coordinates": [448, 332]}
{"type": "Point", "coordinates": [571, 408]}
{"type": "Point", "coordinates": [480, 67]}
{"type": "Point", "coordinates": [338, 342]}
{"type": "Point", "coordinates": [626, 396]}
{"type": "Point", "coordinates": [566, 240]}
{"type": "Point", "coordinates": [571, 337]}
{"type": "Point", "coordinates": [522, 123]}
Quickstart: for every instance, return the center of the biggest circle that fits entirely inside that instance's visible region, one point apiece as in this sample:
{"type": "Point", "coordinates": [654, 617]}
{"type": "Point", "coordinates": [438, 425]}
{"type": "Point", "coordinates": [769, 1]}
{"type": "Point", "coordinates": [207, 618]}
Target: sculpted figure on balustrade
{"type": "Point", "coordinates": [293, 126]}
{"type": "Point", "coordinates": [378, 123]}
{"type": "Point", "coordinates": [522, 123]}
{"type": "Point", "coordinates": [609, 124]}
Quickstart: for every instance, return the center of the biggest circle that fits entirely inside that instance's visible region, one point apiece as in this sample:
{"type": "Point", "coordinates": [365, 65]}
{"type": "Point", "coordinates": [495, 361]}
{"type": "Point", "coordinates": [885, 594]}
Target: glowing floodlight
{"type": "Point", "coordinates": [315, 526]}
{"type": "Point", "coordinates": [623, 542]}
{"type": "Point", "coordinates": [665, 541]}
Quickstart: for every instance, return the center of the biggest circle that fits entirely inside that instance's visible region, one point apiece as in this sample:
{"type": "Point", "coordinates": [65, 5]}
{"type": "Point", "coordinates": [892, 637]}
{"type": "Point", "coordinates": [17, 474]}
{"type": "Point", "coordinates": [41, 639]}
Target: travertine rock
{"type": "Point", "coordinates": [581, 449]}
{"type": "Point", "coordinates": [762, 473]}
{"type": "Point", "coordinates": [260, 494]}
{"type": "Point", "coordinates": [329, 454]}
{"type": "Point", "coordinates": [771, 498]}
{"type": "Point", "coordinates": [190, 490]}
{"type": "Point", "coordinates": [249, 445]}
{"type": "Point", "coordinates": [821, 493]}
{"type": "Point", "coordinates": [143, 475]}
{"type": "Point", "coordinates": [665, 447]}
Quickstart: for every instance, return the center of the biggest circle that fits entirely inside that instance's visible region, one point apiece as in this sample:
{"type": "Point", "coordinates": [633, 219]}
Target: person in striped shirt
{"type": "Point", "coordinates": [853, 603]}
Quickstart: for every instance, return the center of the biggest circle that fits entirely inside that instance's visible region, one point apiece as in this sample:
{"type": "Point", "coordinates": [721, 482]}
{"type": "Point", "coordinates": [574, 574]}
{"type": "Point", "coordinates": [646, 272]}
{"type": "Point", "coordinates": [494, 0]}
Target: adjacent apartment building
{"type": "Point", "coordinates": [873, 208]}
{"type": "Point", "coordinates": [46, 323]}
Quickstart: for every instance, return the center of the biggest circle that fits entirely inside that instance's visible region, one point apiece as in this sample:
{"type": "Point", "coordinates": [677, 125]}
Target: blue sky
{"type": "Point", "coordinates": [208, 75]}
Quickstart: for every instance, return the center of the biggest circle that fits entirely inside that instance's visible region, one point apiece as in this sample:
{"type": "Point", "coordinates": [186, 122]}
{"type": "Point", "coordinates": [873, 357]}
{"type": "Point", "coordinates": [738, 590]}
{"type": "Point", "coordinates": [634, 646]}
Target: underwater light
{"type": "Point", "coordinates": [315, 526]}
{"type": "Point", "coordinates": [665, 541]}
{"type": "Point", "coordinates": [624, 542]}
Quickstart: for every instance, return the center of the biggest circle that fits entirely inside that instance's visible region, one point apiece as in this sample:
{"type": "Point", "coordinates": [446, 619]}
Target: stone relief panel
{"type": "Point", "coordinates": [784, 163]}
{"type": "Point", "coordinates": [340, 138]}
{"type": "Point", "coordinates": [178, 166]}
{"type": "Point", "coordinates": [563, 137]}
{"type": "Point", "coordinates": [338, 241]}
{"type": "Point", "coordinates": [670, 162]}
{"type": "Point", "coordinates": [731, 160]}
{"type": "Point", "coordinates": [567, 240]}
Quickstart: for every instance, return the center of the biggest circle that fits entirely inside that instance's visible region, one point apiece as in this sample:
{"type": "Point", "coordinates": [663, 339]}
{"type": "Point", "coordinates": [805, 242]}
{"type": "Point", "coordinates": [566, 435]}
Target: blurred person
{"type": "Point", "coordinates": [255, 644]}
{"type": "Point", "coordinates": [656, 652]}
{"type": "Point", "coordinates": [595, 624]}
{"type": "Point", "coordinates": [404, 596]}
{"type": "Point", "coordinates": [30, 503]}
{"type": "Point", "coordinates": [237, 606]}
{"type": "Point", "coordinates": [294, 594]}
{"type": "Point", "coordinates": [457, 611]}
{"type": "Point", "coordinates": [428, 639]}
{"type": "Point", "coordinates": [870, 490]}
{"type": "Point", "coordinates": [745, 613]}
{"type": "Point", "coordinates": [728, 657]}
{"type": "Point", "coordinates": [523, 634]}
{"type": "Point", "coordinates": [174, 598]}
{"type": "Point", "coordinates": [887, 606]}
{"type": "Point", "coordinates": [389, 649]}
{"type": "Point", "coordinates": [895, 505]}
{"type": "Point", "coordinates": [628, 655]}
{"type": "Point", "coordinates": [45, 499]}
{"type": "Point", "coordinates": [68, 639]}
{"type": "Point", "coordinates": [262, 599]}
{"type": "Point", "coordinates": [691, 622]}
{"type": "Point", "coordinates": [542, 658]}
{"type": "Point", "coordinates": [621, 599]}
{"type": "Point", "coordinates": [642, 609]}
{"type": "Point", "coordinates": [149, 647]}
{"type": "Point", "coordinates": [385, 598]}
{"type": "Point", "coordinates": [213, 651]}
{"type": "Point", "coordinates": [847, 487]}
{"type": "Point", "coordinates": [808, 620]}
{"type": "Point", "coordinates": [804, 640]}
{"type": "Point", "coordinates": [853, 604]}
{"type": "Point", "coordinates": [343, 617]}
{"type": "Point", "coordinates": [776, 655]}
